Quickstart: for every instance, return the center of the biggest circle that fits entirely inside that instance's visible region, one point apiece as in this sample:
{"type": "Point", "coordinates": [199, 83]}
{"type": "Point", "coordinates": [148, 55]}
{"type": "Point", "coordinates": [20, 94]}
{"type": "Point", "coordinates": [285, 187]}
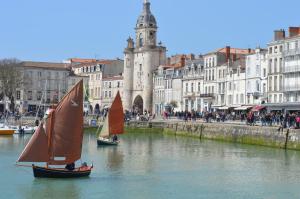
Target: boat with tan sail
{"type": "Point", "coordinates": [113, 124]}
{"type": "Point", "coordinates": [59, 141]}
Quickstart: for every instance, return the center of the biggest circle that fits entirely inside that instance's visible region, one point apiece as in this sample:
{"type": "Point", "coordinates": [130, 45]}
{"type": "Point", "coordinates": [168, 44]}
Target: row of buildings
{"type": "Point", "coordinates": [237, 79]}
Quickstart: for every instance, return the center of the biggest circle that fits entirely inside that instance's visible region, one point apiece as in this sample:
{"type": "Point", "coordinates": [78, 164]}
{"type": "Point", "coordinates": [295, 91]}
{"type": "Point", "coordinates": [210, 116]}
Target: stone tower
{"type": "Point", "coordinates": [140, 61]}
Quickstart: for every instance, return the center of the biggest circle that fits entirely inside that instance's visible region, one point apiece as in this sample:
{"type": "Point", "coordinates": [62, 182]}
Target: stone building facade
{"type": "Point", "coordinates": [140, 61]}
{"type": "Point", "coordinates": [43, 84]}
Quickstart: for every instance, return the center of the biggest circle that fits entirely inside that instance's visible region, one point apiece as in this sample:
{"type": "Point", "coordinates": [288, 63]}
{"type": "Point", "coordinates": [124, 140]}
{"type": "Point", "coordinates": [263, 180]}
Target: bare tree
{"type": "Point", "coordinates": [10, 79]}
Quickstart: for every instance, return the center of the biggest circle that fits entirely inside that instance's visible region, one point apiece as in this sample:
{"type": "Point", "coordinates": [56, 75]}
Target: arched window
{"type": "Point", "coordinates": [141, 40]}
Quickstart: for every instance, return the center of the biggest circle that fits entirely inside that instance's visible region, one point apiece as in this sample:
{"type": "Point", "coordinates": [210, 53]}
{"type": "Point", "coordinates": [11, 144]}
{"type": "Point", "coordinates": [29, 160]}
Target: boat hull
{"type": "Point", "coordinates": [42, 172]}
{"type": "Point", "coordinates": [6, 132]}
{"type": "Point", "coordinates": [106, 142]}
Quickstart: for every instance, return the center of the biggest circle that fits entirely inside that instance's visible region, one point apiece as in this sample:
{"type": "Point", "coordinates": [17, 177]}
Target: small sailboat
{"type": "Point", "coordinates": [59, 141]}
{"type": "Point", "coordinates": [113, 124]}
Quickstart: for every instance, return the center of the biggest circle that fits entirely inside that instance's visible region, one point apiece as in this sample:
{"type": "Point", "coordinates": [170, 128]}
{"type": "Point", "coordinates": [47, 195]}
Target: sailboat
{"type": "Point", "coordinates": [59, 141]}
{"type": "Point", "coordinates": [113, 124]}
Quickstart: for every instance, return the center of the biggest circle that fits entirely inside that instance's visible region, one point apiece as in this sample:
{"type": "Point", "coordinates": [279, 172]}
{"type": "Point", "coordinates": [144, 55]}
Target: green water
{"type": "Point", "coordinates": [154, 166]}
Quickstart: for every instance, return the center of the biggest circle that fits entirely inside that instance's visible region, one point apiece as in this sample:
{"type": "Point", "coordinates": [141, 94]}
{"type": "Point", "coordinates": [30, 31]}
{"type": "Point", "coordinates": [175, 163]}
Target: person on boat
{"type": "Point", "coordinates": [115, 138]}
{"type": "Point", "coordinates": [70, 167]}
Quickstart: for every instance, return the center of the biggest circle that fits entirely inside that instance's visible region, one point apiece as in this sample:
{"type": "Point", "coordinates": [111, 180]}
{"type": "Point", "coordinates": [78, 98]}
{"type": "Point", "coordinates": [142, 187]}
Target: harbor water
{"type": "Point", "coordinates": [156, 166]}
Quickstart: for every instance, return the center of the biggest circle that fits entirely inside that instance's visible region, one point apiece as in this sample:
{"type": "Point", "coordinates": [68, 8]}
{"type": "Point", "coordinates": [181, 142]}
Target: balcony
{"type": "Point", "coordinates": [291, 88]}
{"type": "Point", "coordinates": [207, 95]}
{"type": "Point", "coordinates": [292, 52]}
{"type": "Point", "coordinates": [291, 69]}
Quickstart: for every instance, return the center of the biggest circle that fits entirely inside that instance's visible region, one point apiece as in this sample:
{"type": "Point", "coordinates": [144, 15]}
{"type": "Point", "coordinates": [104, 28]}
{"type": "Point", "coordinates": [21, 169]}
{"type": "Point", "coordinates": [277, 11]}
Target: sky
{"type": "Point", "coordinates": [55, 30]}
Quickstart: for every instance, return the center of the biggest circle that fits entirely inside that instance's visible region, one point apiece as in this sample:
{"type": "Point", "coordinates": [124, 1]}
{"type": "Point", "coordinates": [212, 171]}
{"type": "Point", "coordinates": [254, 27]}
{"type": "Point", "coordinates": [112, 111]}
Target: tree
{"type": "Point", "coordinates": [174, 104]}
{"type": "Point", "coordinates": [10, 79]}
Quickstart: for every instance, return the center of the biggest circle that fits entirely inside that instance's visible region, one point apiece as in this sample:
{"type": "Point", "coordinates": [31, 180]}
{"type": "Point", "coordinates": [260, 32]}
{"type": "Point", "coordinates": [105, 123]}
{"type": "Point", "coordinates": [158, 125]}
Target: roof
{"type": "Point", "coordinates": [80, 60]}
{"type": "Point", "coordinates": [108, 78]}
{"type": "Point", "coordinates": [233, 51]}
{"type": "Point", "coordinates": [104, 62]}
{"type": "Point", "coordinates": [46, 65]}
{"type": "Point", "coordinates": [171, 66]}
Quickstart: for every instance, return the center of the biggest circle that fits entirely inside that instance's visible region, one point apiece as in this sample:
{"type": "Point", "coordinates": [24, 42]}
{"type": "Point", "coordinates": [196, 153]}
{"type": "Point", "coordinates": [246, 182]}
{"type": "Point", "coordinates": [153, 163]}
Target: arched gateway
{"type": "Point", "coordinates": [138, 105]}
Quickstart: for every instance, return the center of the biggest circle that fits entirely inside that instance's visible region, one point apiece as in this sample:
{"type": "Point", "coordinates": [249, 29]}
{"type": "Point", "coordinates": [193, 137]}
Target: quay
{"type": "Point", "coordinates": [229, 132]}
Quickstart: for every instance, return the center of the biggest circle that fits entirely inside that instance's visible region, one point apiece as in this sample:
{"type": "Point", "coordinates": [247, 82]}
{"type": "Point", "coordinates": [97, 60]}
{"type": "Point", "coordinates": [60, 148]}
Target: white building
{"type": "Point", "coordinates": [167, 90]}
{"type": "Point", "coordinates": [236, 84]}
{"type": "Point", "coordinates": [141, 61]}
{"type": "Point", "coordinates": [256, 77]}
{"type": "Point", "coordinates": [291, 69]}
{"type": "Point", "coordinates": [193, 86]}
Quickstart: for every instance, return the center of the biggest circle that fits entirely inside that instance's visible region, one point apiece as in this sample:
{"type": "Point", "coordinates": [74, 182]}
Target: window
{"type": "Point", "coordinates": [105, 94]}
{"type": "Point", "coordinates": [29, 95]}
{"type": "Point", "coordinates": [275, 83]}
{"type": "Point", "coordinates": [141, 40]}
{"type": "Point", "coordinates": [109, 94]}
{"type": "Point", "coordinates": [39, 95]}
{"type": "Point", "coordinates": [18, 95]}
{"type": "Point", "coordinates": [257, 70]}
{"type": "Point", "coordinates": [199, 86]}
{"type": "Point", "coordinates": [265, 72]}
{"type": "Point", "coordinates": [270, 65]}
{"type": "Point", "coordinates": [118, 84]}
{"type": "Point", "coordinates": [186, 104]}
{"type": "Point", "coordinates": [187, 87]}
{"type": "Point", "coordinates": [242, 99]}
{"type": "Point", "coordinates": [270, 50]}
{"type": "Point", "coordinates": [257, 86]}
{"type": "Point", "coordinates": [109, 84]}
{"type": "Point", "coordinates": [275, 65]}
{"type": "Point", "coordinates": [192, 87]}
{"type": "Point", "coordinates": [270, 83]}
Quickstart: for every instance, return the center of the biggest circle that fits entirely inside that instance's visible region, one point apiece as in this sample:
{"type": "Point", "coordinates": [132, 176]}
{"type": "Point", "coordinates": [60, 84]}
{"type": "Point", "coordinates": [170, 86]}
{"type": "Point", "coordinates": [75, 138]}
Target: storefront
{"type": "Point", "coordinates": [291, 107]}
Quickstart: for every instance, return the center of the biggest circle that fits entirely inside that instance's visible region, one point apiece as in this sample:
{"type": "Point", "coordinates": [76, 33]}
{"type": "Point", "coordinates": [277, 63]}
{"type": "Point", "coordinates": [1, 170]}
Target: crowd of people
{"type": "Point", "coordinates": [288, 120]}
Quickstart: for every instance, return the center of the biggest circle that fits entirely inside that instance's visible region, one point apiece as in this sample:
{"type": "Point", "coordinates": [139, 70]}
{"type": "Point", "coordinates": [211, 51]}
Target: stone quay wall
{"type": "Point", "coordinates": [256, 135]}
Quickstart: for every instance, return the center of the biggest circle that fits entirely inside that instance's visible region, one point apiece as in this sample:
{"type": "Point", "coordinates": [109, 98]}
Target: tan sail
{"type": "Point", "coordinates": [36, 149]}
{"type": "Point", "coordinates": [116, 116]}
{"type": "Point", "coordinates": [66, 134]}
{"type": "Point", "coordinates": [104, 131]}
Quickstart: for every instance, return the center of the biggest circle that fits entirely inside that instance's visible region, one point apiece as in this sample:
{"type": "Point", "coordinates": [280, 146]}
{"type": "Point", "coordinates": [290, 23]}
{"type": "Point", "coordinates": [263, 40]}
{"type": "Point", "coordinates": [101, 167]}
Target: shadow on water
{"type": "Point", "coordinates": [55, 188]}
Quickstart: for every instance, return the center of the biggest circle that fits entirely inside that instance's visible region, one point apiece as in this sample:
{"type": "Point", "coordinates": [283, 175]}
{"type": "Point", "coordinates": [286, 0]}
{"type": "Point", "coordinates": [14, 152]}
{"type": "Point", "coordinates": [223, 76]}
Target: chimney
{"type": "Point", "coordinates": [227, 53]}
{"type": "Point", "coordinates": [182, 61]}
{"type": "Point", "coordinates": [249, 50]}
{"type": "Point", "coordinates": [294, 31]}
{"type": "Point", "coordinates": [279, 34]}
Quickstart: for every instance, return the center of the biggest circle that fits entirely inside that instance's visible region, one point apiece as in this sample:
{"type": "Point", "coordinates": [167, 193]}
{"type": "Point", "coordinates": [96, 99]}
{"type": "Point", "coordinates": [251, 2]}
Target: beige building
{"type": "Point", "coordinates": [110, 87]}
{"type": "Point", "coordinates": [96, 71]}
{"type": "Point", "coordinates": [275, 68]}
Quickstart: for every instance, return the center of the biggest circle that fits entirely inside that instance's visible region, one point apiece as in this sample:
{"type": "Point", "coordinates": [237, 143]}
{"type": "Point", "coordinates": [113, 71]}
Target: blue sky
{"type": "Point", "coordinates": [54, 30]}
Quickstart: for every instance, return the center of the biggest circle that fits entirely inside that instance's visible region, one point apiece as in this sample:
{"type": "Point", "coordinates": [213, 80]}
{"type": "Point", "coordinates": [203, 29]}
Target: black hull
{"type": "Point", "coordinates": [42, 172]}
{"type": "Point", "coordinates": [106, 143]}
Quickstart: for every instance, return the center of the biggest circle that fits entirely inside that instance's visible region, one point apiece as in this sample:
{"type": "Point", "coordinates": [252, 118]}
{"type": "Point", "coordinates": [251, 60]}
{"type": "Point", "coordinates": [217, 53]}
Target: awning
{"type": "Point", "coordinates": [243, 108]}
{"type": "Point", "coordinates": [223, 108]}
{"type": "Point", "coordinates": [258, 108]}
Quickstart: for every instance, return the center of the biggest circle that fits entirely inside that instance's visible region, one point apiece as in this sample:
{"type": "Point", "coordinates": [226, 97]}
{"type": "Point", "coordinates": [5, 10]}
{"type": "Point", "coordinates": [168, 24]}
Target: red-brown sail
{"type": "Point", "coordinates": [66, 134]}
{"type": "Point", "coordinates": [37, 148]}
{"type": "Point", "coordinates": [116, 116]}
